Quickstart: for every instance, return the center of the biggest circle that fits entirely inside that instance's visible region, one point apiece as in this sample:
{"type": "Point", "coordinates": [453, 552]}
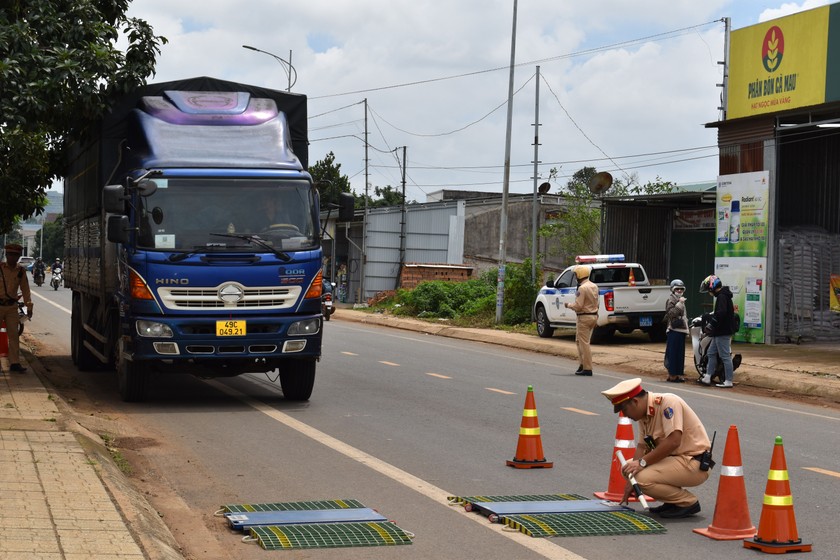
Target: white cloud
{"type": "Point", "coordinates": [639, 97]}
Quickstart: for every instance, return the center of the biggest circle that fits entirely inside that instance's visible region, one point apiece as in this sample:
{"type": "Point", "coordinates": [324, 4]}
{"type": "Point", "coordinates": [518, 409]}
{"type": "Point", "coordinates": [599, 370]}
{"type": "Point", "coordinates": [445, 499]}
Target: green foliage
{"type": "Point", "coordinates": [387, 196]}
{"type": "Point", "coordinates": [53, 240]}
{"type": "Point", "coordinates": [470, 303]}
{"type": "Point", "coordinates": [578, 231]}
{"type": "Point", "coordinates": [60, 66]}
{"type": "Point", "coordinates": [331, 183]}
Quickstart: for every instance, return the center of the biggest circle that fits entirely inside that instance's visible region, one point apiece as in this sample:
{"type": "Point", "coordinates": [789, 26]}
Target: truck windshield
{"type": "Point", "coordinates": [182, 214]}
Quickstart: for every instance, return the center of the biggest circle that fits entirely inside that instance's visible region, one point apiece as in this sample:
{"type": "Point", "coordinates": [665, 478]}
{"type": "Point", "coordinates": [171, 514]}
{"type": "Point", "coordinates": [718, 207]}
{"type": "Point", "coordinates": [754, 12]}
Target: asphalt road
{"type": "Point", "coordinates": [401, 420]}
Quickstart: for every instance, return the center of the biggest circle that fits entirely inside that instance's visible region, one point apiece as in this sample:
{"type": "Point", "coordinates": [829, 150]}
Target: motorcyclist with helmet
{"type": "Point", "coordinates": [677, 329]}
{"type": "Point", "coordinates": [720, 323]}
{"type": "Point", "coordinates": [39, 271]}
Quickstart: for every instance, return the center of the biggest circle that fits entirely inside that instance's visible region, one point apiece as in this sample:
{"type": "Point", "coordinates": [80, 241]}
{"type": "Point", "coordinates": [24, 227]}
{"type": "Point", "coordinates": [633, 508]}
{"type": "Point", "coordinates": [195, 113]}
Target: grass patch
{"type": "Point", "coordinates": [118, 458]}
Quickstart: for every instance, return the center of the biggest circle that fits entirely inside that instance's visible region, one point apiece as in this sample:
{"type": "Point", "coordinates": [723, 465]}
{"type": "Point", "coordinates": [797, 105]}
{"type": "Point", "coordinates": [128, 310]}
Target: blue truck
{"type": "Point", "coordinates": [192, 237]}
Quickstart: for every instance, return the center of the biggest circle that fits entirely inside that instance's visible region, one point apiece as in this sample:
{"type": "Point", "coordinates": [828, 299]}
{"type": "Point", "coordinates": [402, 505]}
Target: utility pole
{"type": "Point", "coordinates": [500, 281]}
{"type": "Point", "coordinates": [403, 221]}
{"type": "Point", "coordinates": [365, 218]}
{"type": "Point", "coordinates": [535, 212]}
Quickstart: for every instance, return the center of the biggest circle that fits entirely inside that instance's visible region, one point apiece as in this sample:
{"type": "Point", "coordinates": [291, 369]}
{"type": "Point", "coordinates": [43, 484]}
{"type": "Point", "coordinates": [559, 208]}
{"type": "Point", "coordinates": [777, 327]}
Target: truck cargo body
{"type": "Point", "coordinates": [192, 238]}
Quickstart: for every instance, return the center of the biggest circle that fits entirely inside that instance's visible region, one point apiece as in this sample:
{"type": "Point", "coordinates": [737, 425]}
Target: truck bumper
{"type": "Point", "coordinates": [267, 344]}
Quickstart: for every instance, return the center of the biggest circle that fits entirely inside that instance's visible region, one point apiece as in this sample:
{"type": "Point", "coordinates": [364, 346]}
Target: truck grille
{"type": "Point", "coordinates": [265, 298]}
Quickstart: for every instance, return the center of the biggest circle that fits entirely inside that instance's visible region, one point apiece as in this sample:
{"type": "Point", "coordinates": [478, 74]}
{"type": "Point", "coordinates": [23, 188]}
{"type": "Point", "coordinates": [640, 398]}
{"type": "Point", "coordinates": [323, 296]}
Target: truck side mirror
{"type": "Point", "coordinates": [118, 227]}
{"type": "Point", "coordinates": [113, 199]}
{"type": "Point", "coordinates": [346, 204]}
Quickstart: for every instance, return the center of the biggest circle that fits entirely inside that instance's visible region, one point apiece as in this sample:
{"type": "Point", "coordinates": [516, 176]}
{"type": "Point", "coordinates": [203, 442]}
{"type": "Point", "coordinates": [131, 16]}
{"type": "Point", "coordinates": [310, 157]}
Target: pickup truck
{"type": "Point", "coordinates": [627, 299]}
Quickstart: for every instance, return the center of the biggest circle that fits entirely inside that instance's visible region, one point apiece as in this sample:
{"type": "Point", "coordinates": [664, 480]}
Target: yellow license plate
{"type": "Point", "coordinates": [231, 328]}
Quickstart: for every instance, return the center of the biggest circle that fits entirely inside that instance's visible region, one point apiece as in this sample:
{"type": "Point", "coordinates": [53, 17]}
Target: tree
{"type": "Point", "coordinates": [578, 231]}
{"type": "Point", "coordinates": [386, 196]}
{"type": "Point", "coordinates": [59, 69]}
{"type": "Point", "coordinates": [331, 183]}
{"type": "Point", "coordinates": [53, 240]}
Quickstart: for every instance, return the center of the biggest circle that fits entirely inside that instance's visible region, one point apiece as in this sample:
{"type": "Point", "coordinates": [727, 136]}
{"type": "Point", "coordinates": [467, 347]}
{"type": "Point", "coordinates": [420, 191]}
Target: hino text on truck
{"type": "Point", "coordinates": [192, 237]}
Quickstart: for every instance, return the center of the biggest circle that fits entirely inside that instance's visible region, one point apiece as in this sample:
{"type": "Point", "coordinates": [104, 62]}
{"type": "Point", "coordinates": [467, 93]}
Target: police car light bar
{"type": "Point", "coordinates": [589, 259]}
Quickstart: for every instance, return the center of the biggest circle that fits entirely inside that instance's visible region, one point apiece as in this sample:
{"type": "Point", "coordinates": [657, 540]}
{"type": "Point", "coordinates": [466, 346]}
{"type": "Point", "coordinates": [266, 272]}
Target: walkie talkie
{"type": "Point", "coordinates": [706, 461]}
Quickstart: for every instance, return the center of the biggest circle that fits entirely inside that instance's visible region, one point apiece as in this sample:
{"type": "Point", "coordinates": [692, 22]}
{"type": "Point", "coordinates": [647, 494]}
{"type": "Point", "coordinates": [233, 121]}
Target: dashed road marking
{"type": "Point", "coordinates": [389, 363]}
{"type": "Point", "coordinates": [822, 471]}
{"type": "Point", "coordinates": [579, 411]}
{"type": "Point", "coordinates": [499, 391]}
{"type": "Point", "coordinates": [438, 375]}
{"type": "Point", "coordinates": [349, 353]}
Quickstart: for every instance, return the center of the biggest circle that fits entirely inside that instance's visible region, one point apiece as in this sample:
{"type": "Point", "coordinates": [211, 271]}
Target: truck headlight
{"type": "Point", "coordinates": [153, 330]}
{"type": "Point", "coordinates": [301, 328]}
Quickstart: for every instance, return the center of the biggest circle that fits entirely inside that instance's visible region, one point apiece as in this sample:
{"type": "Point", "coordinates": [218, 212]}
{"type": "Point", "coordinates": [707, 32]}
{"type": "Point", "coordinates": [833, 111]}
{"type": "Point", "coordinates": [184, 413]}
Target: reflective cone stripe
{"type": "Point", "coordinates": [732, 513]}
{"type": "Point", "coordinates": [625, 441]}
{"type": "Point", "coordinates": [777, 531]}
{"type": "Point", "coordinates": [529, 451]}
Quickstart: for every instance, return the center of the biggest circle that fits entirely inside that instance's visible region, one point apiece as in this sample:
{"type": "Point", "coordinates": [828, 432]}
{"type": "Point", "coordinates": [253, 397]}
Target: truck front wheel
{"type": "Point", "coordinates": [297, 379]}
{"type": "Point", "coordinates": [131, 379]}
{"type": "Point", "coordinates": [544, 328]}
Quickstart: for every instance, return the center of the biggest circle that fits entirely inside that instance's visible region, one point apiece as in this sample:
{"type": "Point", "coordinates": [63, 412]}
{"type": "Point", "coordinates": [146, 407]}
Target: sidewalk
{"type": "Point", "coordinates": [61, 496]}
{"type": "Point", "coordinates": [807, 370]}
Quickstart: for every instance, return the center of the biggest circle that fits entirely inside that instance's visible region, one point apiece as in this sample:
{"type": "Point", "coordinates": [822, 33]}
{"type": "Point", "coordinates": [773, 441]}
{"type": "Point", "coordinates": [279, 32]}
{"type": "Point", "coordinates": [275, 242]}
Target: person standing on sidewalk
{"type": "Point", "coordinates": [13, 279]}
{"type": "Point", "coordinates": [677, 320]}
{"type": "Point", "coordinates": [673, 450]}
{"type": "Point", "coordinates": [586, 306]}
{"type": "Point", "coordinates": [721, 322]}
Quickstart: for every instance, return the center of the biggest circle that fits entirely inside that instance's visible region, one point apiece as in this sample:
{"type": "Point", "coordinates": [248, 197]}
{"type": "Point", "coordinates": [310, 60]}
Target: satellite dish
{"type": "Point", "coordinates": [600, 182]}
{"type": "Point", "coordinates": [542, 189]}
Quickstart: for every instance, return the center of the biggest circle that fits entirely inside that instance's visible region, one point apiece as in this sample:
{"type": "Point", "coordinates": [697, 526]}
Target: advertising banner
{"type": "Point", "coordinates": [741, 220]}
{"type": "Point", "coordinates": [780, 64]}
{"type": "Point", "coordinates": [834, 296]}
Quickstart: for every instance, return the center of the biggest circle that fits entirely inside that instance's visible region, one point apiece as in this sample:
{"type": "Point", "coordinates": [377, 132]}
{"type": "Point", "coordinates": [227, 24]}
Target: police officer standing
{"type": "Point", "coordinates": [586, 307]}
{"type": "Point", "coordinates": [12, 279]}
{"type": "Point", "coordinates": [673, 450]}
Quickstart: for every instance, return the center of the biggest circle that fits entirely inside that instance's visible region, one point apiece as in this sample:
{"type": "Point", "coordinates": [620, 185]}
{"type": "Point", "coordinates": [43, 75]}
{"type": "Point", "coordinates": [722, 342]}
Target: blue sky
{"type": "Point", "coordinates": [625, 87]}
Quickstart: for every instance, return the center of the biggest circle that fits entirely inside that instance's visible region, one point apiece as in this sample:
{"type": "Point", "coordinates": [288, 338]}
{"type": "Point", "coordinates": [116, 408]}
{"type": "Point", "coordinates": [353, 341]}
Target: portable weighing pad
{"type": "Point", "coordinates": [242, 521]}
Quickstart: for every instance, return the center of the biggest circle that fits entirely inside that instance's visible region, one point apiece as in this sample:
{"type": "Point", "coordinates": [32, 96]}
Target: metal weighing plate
{"type": "Point", "coordinates": [564, 506]}
{"type": "Point", "coordinates": [242, 521]}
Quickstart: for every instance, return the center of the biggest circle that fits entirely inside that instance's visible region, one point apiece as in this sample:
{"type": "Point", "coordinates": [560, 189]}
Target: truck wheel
{"type": "Point", "coordinates": [131, 379]}
{"type": "Point", "coordinates": [658, 334]}
{"type": "Point", "coordinates": [602, 334]}
{"type": "Point", "coordinates": [82, 357]}
{"type": "Point", "coordinates": [544, 328]}
{"type": "Point", "coordinates": [297, 379]}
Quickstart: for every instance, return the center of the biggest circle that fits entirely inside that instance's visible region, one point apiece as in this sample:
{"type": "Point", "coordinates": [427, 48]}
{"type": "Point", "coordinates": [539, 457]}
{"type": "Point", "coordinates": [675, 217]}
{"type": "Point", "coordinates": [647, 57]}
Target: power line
{"type": "Point", "coordinates": [655, 37]}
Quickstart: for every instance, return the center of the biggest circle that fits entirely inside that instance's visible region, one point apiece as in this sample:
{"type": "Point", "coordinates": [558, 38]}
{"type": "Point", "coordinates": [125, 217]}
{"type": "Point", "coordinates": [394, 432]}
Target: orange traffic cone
{"type": "Point", "coordinates": [529, 451]}
{"type": "Point", "coordinates": [4, 340]}
{"type": "Point", "coordinates": [626, 443]}
{"type": "Point", "coordinates": [631, 281]}
{"type": "Point", "coordinates": [777, 532]}
{"type": "Point", "coordinates": [732, 514]}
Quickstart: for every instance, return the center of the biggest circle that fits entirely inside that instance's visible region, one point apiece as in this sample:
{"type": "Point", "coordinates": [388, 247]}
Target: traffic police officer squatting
{"type": "Point", "coordinates": [13, 279]}
{"type": "Point", "coordinates": [586, 306]}
{"type": "Point", "coordinates": [673, 450]}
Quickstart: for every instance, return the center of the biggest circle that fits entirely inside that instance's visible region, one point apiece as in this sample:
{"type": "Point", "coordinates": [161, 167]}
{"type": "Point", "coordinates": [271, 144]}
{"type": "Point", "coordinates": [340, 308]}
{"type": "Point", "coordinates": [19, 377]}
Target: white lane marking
{"type": "Point", "coordinates": [349, 354]}
{"type": "Point", "coordinates": [389, 363]}
{"type": "Point", "coordinates": [712, 394]}
{"type": "Point", "coordinates": [544, 547]}
{"type": "Point", "coordinates": [499, 391]}
{"type": "Point", "coordinates": [54, 304]}
{"type": "Point", "coordinates": [579, 411]}
{"type": "Point", "coordinates": [822, 471]}
{"type": "Point", "coordinates": [438, 375]}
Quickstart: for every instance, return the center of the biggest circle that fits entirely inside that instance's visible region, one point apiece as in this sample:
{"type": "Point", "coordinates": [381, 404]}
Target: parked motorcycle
{"type": "Point", "coordinates": [56, 279]}
{"type": "Point", "coordinates": [38, 277]}
{"type": "Point", "coordinates": [327, 307]}
{"type": "Point", "coordinates": [700, 341]}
